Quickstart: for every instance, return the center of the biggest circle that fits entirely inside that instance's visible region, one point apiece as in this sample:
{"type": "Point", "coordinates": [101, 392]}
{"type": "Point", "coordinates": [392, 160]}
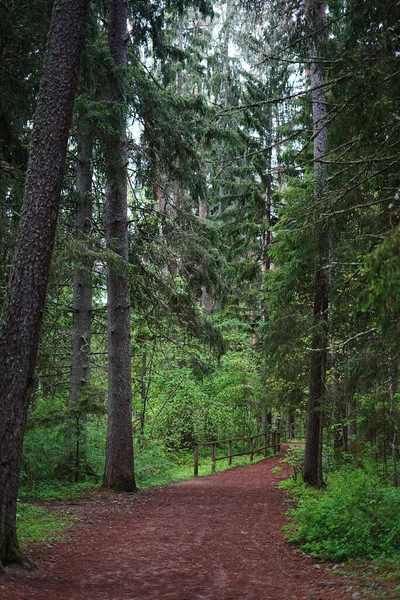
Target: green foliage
{"type": "Point", "coordinates": [382, 275]}
{"type": "Point", "coordinates": [43, 451]}
{"type": "Point", "coordinates": [294, 460]}
{"type": "Point", "coordinates": [153, 466]}
{"type": "Point", "coordinates": [355, 517]}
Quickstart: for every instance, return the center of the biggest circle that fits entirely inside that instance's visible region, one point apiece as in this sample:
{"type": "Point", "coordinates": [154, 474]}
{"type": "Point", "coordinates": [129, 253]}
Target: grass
{"type": "Point", "coordinates": [53, 491]}
{"type": "Point", "coordinates": [35, 524]}
{"type": "Point", "coordinates": [154, 470]}
{"type": "Point", "coordinates": [379, 578]}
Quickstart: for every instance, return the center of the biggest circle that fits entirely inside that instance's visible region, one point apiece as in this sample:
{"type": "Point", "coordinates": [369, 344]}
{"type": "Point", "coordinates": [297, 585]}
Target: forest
{"type": "Point", "coordinates": [200, 241]}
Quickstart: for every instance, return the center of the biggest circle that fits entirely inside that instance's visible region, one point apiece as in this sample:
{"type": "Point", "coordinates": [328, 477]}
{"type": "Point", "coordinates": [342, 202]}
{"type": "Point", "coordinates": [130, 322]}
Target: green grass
{"type": "Point", "coordinates": [51, 491]}
{"type": "Point", "coordinates": [379, 578]}
{"type": "Point", "coordinates": [35, 524]}
{"type": "Point", "coordinates": [155, 468]}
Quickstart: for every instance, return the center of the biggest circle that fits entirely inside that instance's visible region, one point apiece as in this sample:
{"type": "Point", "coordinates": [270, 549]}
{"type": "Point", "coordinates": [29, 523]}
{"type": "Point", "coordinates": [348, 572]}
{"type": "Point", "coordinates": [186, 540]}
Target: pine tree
{"type": "Point", "coordinates": [22, 314]}
{"type": "Point", "coordinates": [313, 456]}
{"type": "Point", "coordinates": [119, 472]}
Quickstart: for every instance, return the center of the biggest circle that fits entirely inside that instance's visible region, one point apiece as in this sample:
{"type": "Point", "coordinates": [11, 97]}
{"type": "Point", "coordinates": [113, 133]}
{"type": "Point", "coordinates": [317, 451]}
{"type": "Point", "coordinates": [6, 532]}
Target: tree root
{"type": "Point", "coordinates": [16, 560]}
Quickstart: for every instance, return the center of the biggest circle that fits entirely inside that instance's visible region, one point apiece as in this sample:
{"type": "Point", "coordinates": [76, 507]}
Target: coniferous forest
{"type": "Point", "coordinates": [200, 241]}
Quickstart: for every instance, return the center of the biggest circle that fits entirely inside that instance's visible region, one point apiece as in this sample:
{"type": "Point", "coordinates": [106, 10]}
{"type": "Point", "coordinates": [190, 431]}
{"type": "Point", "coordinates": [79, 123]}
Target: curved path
{"type": "Point", "coordinates": [212, 538]}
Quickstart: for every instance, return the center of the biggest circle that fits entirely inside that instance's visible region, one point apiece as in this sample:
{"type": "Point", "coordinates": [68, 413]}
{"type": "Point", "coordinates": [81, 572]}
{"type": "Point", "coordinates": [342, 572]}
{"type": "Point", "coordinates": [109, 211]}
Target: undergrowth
{"type": "Point", "coordinates": [153, 467]}
{"type": "Point", "coordinates": [356, 516]}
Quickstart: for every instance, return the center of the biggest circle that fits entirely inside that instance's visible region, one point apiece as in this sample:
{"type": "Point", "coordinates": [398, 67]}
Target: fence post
{"type": "Point", "coordinates": [265, 444]}
{"type": "Point", "coordinates": [196, 460]}
{"type": "Point", "coordinates": [214, 452]}
{"type": "Point", "coordinates": [229, 453]}
{"type": "Point", "coordinates": [278, 441]}
{"type": "Point", "coordinates": [273, 441]}
{"type": "Point", "coordinates": [251, 448]}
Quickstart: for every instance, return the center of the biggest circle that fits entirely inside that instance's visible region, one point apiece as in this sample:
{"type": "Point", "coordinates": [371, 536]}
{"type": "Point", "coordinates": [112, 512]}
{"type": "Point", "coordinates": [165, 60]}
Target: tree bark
{"type": "Point", "coordinates": [23, 310]}
{"type": "Point", "coordinates": [313, 454]}
{"type": "Point", "coordinates": [82, 316]}
{"type": "Point", "coordinates": [143, 394]}
{"type": "Point", "coordinates": [392, 369]}
{"type": "Point", "coordinates": [119, 471]}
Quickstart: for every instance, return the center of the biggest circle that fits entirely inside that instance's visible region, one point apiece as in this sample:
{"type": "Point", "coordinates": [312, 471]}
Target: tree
{"type": "Point", "coordinates": [23, 31]}
{"type": "Point", "coordinates": [82, 315]}
{"type": "Point", "coordinates": [313, 456]}
{"type": "Point", "coordinates": [23, 310]}
{"type": "Point", "coordinates": [119, 472]}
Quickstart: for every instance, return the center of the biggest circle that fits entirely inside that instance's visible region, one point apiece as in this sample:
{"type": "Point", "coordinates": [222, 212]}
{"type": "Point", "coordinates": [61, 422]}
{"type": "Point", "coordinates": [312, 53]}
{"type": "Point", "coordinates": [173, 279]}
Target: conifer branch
{"type": "Point", "coordinates": [342, 344]}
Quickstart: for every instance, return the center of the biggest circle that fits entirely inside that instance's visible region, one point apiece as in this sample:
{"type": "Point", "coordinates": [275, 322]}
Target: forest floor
{"type": "Point", "coordinates": [212, 538]}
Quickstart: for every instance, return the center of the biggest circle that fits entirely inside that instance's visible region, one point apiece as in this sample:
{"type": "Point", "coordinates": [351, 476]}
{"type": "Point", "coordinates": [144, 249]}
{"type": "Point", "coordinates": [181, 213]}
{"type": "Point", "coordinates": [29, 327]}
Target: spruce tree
{"type": "Point", "coordinates": [23, 310]}
{"type": "Point", "coordinates": [119, 472]}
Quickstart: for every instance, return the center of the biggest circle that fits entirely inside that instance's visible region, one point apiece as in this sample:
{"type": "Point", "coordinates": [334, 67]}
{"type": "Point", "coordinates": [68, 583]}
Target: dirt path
{"type": "Point", "coordinates": [213, 538]}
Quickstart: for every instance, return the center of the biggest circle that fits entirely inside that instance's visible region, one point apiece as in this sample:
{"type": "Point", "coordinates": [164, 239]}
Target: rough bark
{"type": "Point", "coordinates": [82, 315]}
{"type": "Point", "coordinates": [313, 454]}
{"type": "Point", "coordinates": [207, 305]}
{"type": "Point", "coordinates": [392, 369]}
{"type": "Point", "coordinates": [119, 471]}
{"type": "Point", "coordinates": [266, 263]}
{"type": "Point", "coordinates": [23, 310]}
{"type": "Point", "coordinates": [143, 394]}
{"type": "Point", "coordinates": [179, 77]}
{"type": "Point", "coordinates": [290, 426]}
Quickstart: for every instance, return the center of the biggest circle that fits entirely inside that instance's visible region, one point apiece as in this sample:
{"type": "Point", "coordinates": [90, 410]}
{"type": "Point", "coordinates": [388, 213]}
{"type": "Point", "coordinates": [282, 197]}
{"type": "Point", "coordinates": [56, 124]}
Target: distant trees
{"type": "Point", "coordinates": [342, 232]}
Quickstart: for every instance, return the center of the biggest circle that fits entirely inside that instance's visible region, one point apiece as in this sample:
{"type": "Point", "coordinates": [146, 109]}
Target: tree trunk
{"type": "Point", "coordinates": [392, 368]}
{"type": "Point", "coordinates": [290, 426]}
{"type": "Point", "coordinates": [143, 394]}
{"type": "Point", "coordinates": [119, 470]}
{"type": "Point", "coordinates": [313, 455]}
{"type": "Point", "coordinates": [82, 318]}
{"type": "Point", "coordinates": [23, 310]}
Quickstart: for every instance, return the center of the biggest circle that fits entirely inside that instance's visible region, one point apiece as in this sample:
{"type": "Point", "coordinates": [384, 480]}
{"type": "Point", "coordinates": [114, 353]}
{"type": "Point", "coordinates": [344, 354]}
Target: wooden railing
{"type": "Point", "coordinates": [269, 440]}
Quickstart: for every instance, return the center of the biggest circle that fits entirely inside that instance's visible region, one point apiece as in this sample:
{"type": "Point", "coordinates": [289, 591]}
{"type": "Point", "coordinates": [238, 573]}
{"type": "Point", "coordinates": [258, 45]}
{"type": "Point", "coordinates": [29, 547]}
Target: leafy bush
{"type": "Point", "coordinates": [354, 517]}
{"type": "Point", "coordinates": [294, 460]}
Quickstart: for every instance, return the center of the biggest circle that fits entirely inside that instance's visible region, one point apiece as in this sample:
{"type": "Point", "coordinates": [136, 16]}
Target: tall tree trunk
{"type": "Point", "coordinates": [119, 471]}
{"type": "Point", "coordinates": [143, 394]}
{"type": "Point", "coordinates": [179, 77]}
{"type": "Point", "coordinates": [82, 317]}
{"type": "Point", "coordinates": [392, 369]}
{"type": "Point", "coordinates": [266, 262]}
{"type": "Point", "coordinates": [23, 310]}
{"type": "Point", "coordinates": [313, 455]}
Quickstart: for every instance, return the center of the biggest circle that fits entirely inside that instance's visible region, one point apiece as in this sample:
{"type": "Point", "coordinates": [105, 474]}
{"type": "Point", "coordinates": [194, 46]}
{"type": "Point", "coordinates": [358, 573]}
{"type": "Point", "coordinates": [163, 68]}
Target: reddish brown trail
{"type": "Point", "coordinates": [213, 538]}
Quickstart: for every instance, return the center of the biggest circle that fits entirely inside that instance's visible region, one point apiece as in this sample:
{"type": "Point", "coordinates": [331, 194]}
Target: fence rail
{"type": "Point", "coordinates": [273, 436]}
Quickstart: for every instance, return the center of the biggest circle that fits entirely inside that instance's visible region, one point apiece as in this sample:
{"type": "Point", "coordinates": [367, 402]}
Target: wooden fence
{"type": "Point", "coordinates": [268, 440]}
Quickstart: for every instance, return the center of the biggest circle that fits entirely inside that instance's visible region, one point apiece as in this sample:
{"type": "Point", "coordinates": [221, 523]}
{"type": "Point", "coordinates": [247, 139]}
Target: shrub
{"type": "Point", "coordinates": [354, 517]}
